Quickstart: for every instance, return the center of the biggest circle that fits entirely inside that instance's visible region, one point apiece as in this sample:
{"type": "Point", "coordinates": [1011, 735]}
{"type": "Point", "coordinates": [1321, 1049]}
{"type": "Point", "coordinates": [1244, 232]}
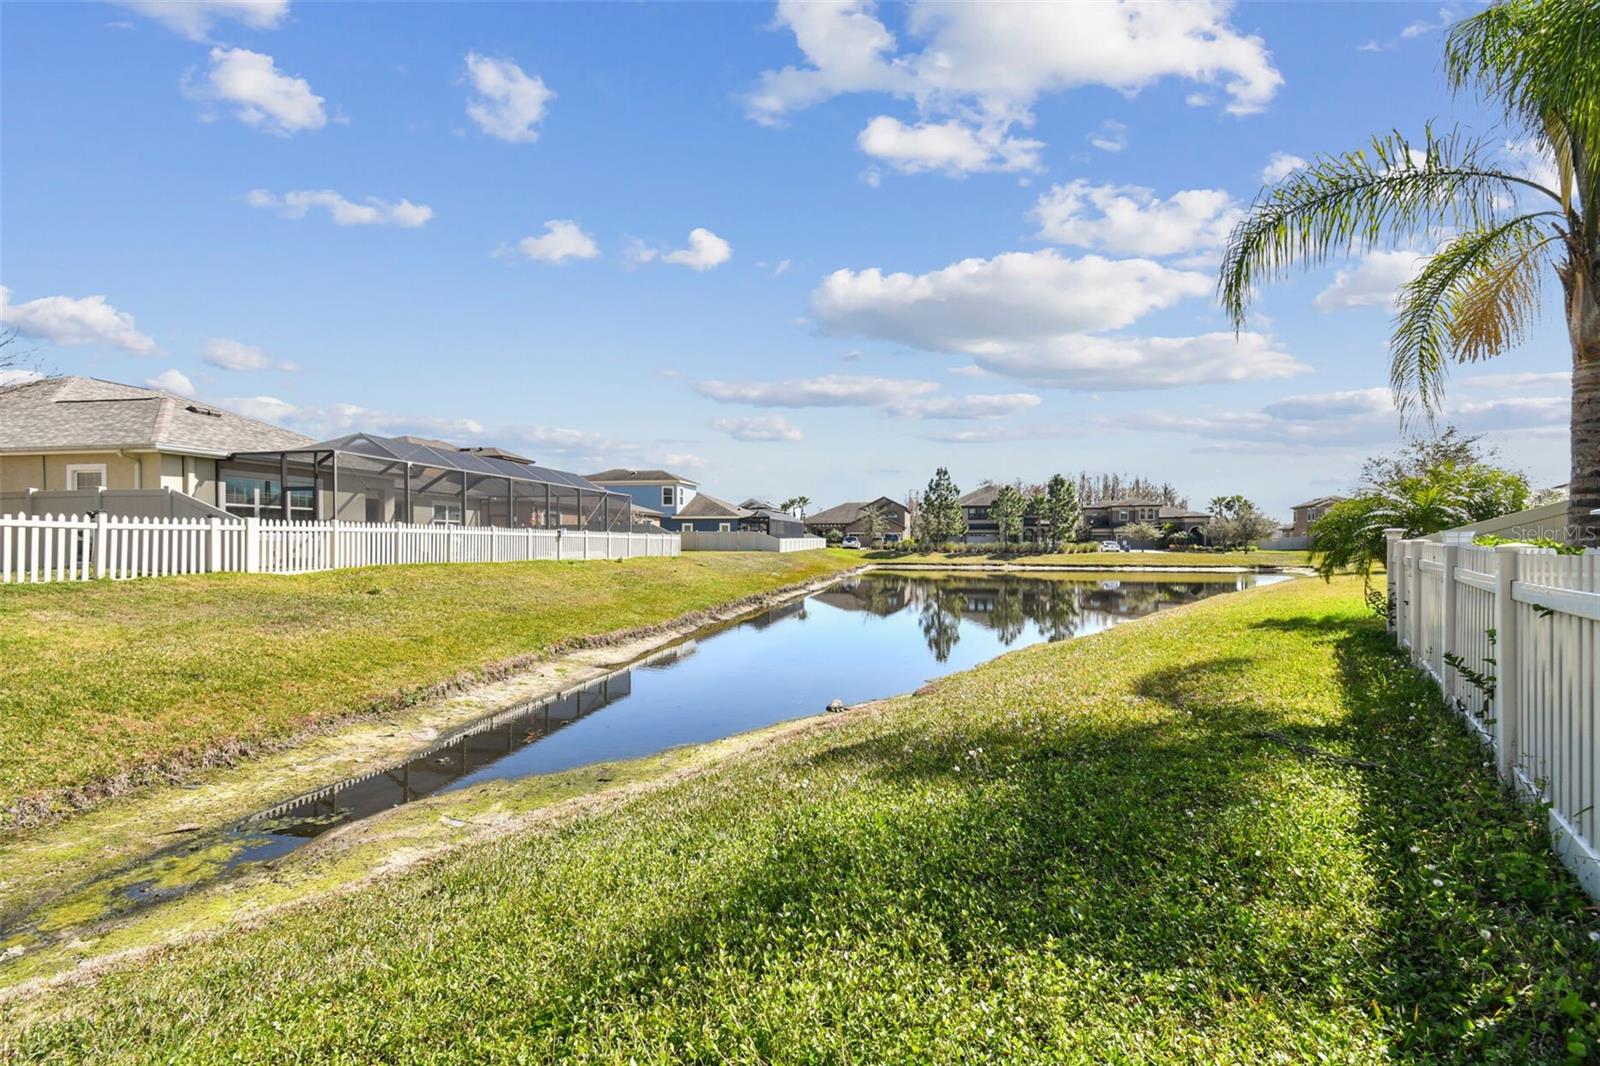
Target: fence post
{"type": "Point", "coordinates": [334, 553]}
{"type": "Point", "coordinates": [1507, 711]}
{"type": "Point", "coordinates": [1414, 596]}
{"type": "Point", "coordinates": [100, 544]}
{"type": "Point", "coordinates": [1391, 567]}
{"type": "Point", "coordinates": [1447, 619]}
{"type": "Point", "coordinates": [213, 544]}
{"type": "Point", "coordinates": [252, 545]}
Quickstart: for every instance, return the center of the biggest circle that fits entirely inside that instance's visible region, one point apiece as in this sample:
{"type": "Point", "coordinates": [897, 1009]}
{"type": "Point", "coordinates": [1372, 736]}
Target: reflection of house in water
{"type": "Point", "coordinates": [1006, 604]}
{"type": "Point", "coordinates": [774, 615]}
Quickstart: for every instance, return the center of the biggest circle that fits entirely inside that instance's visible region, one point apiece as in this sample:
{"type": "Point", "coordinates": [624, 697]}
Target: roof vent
{"type": "Point", "coordinates": [197, 409]}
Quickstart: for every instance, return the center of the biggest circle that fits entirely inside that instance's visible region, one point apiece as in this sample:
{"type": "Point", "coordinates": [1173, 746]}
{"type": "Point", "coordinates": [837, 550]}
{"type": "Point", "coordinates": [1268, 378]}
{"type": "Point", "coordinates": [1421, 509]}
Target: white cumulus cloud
{"type": "Point", "coordinates": [194, 18]}
{"type": "Point", "coordinates": [989, 63]}
{"type": "Point", "coordinates": [758, 428]}
{"type": "Point", "coordinates": [259, 93]}
{"type": "Point", "coordinates": [951, 147]}
{"type": "Point", "coordinates": [173, 380]}
{"type": "Point", "coordinates": [1280, 166]}
{"type": "Point", "coordinates": [562, 239]}
{"type": "Point", "coordinates": [1133, 220]}
{"type": "Point", "coordinates": [1014, 296]}
{"type": "Point", "coordinates": [705, 250]}
{"type": "Point", "coordinates": [1041, 317]}
{"type": "Point", "coordinates": [75, 321]}
{"type": "Point", "coordinates": [507, 103]}
{"type": "Point", "coordinates": [224, 353]}
{"type": "Point", "coordinates": [369, 212]}
{"type": "Point", "coordinates": [1374, 281]}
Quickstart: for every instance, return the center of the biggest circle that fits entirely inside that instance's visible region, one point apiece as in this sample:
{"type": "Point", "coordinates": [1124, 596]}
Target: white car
{"type": "Point", "coordinates": [850, 542]}
{"type": "Point", "coordinates": [1110, 546]}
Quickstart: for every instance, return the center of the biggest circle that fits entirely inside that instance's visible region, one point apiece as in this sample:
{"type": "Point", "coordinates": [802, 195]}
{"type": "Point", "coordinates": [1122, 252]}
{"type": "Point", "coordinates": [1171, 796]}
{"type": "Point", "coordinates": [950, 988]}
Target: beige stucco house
{"type": "Point", "coordinates": [77, 434]}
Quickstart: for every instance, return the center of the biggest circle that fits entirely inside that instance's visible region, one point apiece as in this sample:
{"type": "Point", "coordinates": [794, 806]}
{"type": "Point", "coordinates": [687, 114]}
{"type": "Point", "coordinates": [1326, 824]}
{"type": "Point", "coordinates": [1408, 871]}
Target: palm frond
{"type": "Point", "coordinates": [1491, 314]}
{"type": "Point", "coordinates": [1344, 203]}
{"type": "Point", "coordinates": [1434, 318]}
{"type": "Point", "coordinates": [1540, 59]}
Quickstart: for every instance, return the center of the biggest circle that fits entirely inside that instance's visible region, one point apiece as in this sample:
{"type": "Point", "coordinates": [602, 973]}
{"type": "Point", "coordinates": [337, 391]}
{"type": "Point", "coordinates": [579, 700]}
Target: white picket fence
{"type": "Point", "coordinates": [1526, 622]}
{"type": "Point", "coordinates": [79, 548]}
{"type": "Point", "coordinates": [747, 541]}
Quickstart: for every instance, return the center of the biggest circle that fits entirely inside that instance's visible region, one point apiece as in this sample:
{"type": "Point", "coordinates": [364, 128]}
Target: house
{"type": "Point", "coordinates": [1103, 518]}
{"type": "Point", "coordinates": [365, 477]}
{"type": "Point", "coordinates": [982, 527]}
{"type": "Point", "coordinates": [63, 439]}
{"type": "Point", "coordinates": [706, 514]}
{"type": "Point", "coordinates": [659, 490]}
{"type": "Point", "coordinates": [1307, 513]}
{"type": "Point", "coordinates": [850, 519]}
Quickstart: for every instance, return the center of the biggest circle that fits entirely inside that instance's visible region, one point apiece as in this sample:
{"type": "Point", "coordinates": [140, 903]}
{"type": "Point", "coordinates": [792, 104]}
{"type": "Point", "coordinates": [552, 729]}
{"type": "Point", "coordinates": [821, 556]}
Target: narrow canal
{"type": "Point", "coordinates": [864, 637]}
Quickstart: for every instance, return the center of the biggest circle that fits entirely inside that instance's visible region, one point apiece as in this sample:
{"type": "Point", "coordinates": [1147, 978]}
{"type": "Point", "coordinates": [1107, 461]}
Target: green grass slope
{"type": "Point", "coordinates": [1241, 831]}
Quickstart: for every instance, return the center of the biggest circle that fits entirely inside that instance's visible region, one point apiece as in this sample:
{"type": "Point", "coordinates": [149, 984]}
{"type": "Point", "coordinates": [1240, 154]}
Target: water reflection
{"type": "Point", "coordinates": [1007, 604]}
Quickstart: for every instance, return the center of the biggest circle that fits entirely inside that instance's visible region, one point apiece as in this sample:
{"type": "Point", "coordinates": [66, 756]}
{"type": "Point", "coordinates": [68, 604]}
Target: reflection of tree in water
{"type": "Point", "coordinates": [1006, 603]}
{"type": "Point", "coordinates": [1057, 610]}
{"type": "Point", "coordinates": [941, 620]}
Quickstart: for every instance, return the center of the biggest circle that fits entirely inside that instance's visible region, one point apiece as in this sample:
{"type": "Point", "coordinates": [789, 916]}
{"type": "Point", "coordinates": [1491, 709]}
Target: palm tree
{"type": "Point", "coordinates": [1476, 296]}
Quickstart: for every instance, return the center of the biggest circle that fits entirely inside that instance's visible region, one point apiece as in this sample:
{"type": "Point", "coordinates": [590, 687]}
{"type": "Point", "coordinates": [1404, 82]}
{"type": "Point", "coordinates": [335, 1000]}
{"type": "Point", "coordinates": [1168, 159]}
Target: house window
{"type": "Point", "coordinates": [84, 476]}
{"type": "Point", "coordinates": [724, 527]}
{"type": "Point", "coordinates": [262, 497]}
{"type": "Point", "coordinates": [1122, 515]}
{"type": "Point", "coordinates": [667, 498]}
{"type": "Point", "coordinates": [447, 513]}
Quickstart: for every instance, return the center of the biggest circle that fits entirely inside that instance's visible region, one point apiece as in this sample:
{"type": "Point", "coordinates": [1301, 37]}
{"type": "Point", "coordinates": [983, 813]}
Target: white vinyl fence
{"type": "Point", "coordinates": [79, 548]}
{"type": "Point", "coordinates": [694, 541]}
{"type": "Point", "coordinates": [1512, 635]}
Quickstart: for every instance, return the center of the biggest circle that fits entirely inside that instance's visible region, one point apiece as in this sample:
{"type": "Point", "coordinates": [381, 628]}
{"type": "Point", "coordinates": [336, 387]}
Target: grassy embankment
{"type": "Point", "coordinates": [106, 680]}
{"type": "Point", "coordinates": [1095, 560]}
{"type": "Point", "coordinates": [1240, 831]}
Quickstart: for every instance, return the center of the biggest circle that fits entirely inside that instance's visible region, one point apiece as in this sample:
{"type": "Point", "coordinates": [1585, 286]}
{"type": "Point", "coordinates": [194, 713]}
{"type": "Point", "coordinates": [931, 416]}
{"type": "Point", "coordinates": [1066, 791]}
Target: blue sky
{"type": "Point", "coordinates": [810, 249]}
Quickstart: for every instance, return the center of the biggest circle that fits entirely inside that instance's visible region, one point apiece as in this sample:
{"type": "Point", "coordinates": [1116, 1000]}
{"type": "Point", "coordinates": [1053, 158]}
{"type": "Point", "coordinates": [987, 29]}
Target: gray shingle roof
{"type": "Point", "coordinates": [846, 513]}
{"type": "Point", "coordinates": [620, 475]}
{"type": "Point", "coordinates": [707, 506]}
{"type": "Point", "coordinates": [87, 413]}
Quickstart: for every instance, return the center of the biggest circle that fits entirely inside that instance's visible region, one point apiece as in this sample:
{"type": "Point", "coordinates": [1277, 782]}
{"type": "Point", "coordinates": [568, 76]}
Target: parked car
{"type": "Point", "coordinates": [1110, 546]}
{"type": "Point", "coordinates": [850, 542]}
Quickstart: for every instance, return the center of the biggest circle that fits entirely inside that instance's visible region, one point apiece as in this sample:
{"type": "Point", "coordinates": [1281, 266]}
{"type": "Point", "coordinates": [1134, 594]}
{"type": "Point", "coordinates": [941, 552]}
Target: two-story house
{"type": "Point", "coordinates": [1103, 518]}
{"type": "Point", "coordinates": [982, 527]}
{"type": "Point", "coordinates": [659, 490]}
{"type": "Point", "coordinates": [850, 519]}
{"type": "Point", "coordinates": [1307, 513]}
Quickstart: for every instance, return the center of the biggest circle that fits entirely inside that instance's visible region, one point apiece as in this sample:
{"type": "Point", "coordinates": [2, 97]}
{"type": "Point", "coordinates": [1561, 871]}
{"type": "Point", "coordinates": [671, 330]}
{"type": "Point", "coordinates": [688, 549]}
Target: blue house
{"type": "Point", "coordinates": [658, 490]}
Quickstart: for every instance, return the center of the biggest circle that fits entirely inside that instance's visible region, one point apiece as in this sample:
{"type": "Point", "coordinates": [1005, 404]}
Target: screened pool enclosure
{"type": "Point", "coordinates": [368, 478]}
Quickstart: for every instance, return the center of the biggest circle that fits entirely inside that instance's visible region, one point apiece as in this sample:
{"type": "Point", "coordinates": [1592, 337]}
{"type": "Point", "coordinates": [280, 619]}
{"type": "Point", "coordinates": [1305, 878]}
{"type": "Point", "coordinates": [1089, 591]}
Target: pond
{"type": "Point", "coordinates": [862, 638]}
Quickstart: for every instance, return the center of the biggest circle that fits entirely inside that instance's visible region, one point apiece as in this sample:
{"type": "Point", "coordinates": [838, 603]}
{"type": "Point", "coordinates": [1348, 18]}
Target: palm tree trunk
{"type": "Point", "coordinates": [1583, 489]}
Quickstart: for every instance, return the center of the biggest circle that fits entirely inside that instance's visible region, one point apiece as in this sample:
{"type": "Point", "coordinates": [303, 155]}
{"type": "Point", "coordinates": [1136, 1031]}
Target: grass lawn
{"type": "Point", "coordinates": [107, 678]}
{"type": "Point", "coordinates": [1239, 831]}
{"type": "Point", "coordinates": [1098, 560]}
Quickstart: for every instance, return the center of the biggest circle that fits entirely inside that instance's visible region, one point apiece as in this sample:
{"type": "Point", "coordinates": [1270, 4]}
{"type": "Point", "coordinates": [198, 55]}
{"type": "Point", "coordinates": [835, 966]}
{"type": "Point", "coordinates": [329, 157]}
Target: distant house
{"type": "Point", "coordinates": [982, 526]}
{"type": "Point", "coordinates": [1307, 513]}
{"type": "Point", "coordinates": [1103, 518]}
{"type": "Point", "coordinates": [79, 435]}
{"type": "Point", "coordinates": [850, 519]}
{"type": "Point", "coordinates": [659, 490]}
{"type": "Point", "coordinates": [707, 514]}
